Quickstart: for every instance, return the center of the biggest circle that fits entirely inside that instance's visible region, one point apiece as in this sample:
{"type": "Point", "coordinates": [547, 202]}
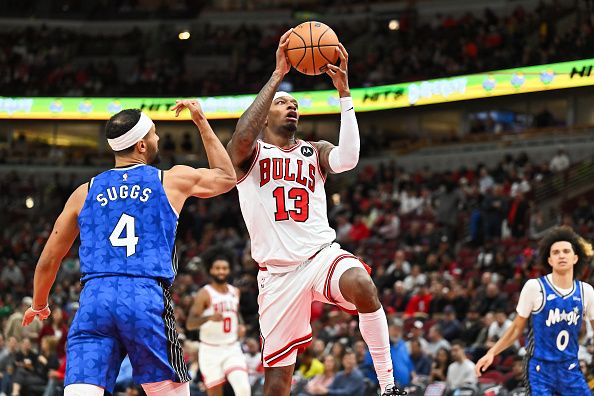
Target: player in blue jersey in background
{"type": "Point", "coordinates": [557, 304]}
{"type": "Point", "coordinates": [127, 219]}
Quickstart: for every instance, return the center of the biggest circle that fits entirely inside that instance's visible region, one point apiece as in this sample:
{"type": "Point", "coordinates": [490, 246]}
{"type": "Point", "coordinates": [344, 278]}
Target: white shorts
{"type": "Point", "coordinates": [285, 302]}
{"type": "Point", "coordinates": [217, 361]}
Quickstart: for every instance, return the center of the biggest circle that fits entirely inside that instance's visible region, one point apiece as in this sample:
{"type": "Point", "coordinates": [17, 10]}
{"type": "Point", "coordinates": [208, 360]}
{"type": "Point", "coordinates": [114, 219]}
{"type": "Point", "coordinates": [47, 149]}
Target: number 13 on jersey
{"type": "Point", "coordinates": [300, 198]}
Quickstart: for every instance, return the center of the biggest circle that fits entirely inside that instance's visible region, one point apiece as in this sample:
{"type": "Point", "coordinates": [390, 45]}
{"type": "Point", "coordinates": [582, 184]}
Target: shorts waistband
{"type": "Point", "coordinates": [324, 246]}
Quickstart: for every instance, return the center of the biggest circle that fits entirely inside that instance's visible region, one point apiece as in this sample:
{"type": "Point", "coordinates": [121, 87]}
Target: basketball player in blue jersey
{"type": "Point", "coordinates": [557, 305]}
{"type": "Point", "coordinates": [127, 219]}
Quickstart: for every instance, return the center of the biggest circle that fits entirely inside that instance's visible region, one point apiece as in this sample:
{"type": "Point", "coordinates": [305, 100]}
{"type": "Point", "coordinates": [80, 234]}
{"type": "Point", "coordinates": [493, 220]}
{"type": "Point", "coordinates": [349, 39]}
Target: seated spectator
{"type": "Point", "coordinates": [56, 326]}
{"type": "Point", "coordinates": [390, 226]}
{"type": "Point", "coordinates": [449, 325]}
{"type": "Point", "coordinates": [416, 334]}
{"type": "Point", "coordinates": [461, 370]}
{"type": "Point", "coordinates": [498, 329]}
{"type": "Point", "coordinates": [399, 299]}
{"type": "Point", "coordinates": [349, 381]}
{"type": "Point", "coordinates": [360, 349]}
{"type": "Point", "coordinates": [12, 276]}
{"type": "Point", "coordinates": [420, 360]}
{"type": "Point", "coordinates": [319, 384]}
{"type": "Point", "coordinates": [415, 279]}
{"type": "Point", "coordinates": [13, 327]}
{"type": "Point", "coordinates": [359, 230]}
{"type": "Point", "coordinates": [517, 378]}
{"type": "Point", "coordinates": [418, 305]}
{"type": "Point", "coordinates": [56, 380]}
{"type": "Point", "coordinates": [439, 367]}
{"type": "Point", "coordinates": [436, 340]}
{"type": "Point", "coordinates": [492, 300]}
{"type": "Point", "coordinates": [319, 348]}
{"type": "Point", "coordinates": [8, 355]}
{"type": "Point", "coordinates": [397, 270]}
{"type": "Point", "coordinates": [32, 374]}
{"type": "Point", "coordinates": [310, 366]}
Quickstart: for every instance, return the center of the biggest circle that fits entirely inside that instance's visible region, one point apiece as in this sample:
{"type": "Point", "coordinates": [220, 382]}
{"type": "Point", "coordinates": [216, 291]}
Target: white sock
{"type": "Point", "coordinates": [374, 329]}
{"type": "Point", "coordinates": [240, 382]}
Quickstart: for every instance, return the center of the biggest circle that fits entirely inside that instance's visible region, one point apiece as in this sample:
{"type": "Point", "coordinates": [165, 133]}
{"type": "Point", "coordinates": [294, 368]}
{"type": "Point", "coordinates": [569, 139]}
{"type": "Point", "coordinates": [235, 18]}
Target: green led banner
{"type": "Point", "coordinates": [474, 86]}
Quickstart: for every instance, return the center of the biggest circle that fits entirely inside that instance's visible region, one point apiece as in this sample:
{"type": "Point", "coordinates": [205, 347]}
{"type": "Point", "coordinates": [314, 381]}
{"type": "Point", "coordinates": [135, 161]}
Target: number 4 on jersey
{"type": "Point", "coordinates": [130, 240]}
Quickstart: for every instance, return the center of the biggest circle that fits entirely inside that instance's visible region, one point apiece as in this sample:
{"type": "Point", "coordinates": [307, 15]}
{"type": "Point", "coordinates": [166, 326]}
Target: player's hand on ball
{"type": "Point", "coordinates": [30, 314]}
{"type": "Point", "coordinates": [484, 363]}
{"type": "Point", "coordinates": [216, 317]}
{"type": "Point", "coordinates": [339, 74]}
{"type": "Point", "coordinates": [282, 60]}
{"type": "Point", "coordinates": [192, 105]}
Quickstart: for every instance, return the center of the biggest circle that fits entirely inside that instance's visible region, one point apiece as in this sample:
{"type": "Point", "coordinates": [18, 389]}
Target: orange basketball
{"type": "Point", "coordinates": [312, 45]}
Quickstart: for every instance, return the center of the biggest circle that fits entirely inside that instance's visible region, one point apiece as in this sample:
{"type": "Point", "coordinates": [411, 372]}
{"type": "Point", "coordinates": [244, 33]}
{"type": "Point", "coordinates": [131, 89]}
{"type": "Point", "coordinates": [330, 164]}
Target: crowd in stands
{"type": "Point", "coordinates": [449, 251]}
{"type": "Point", "coordinates": [64, 61]}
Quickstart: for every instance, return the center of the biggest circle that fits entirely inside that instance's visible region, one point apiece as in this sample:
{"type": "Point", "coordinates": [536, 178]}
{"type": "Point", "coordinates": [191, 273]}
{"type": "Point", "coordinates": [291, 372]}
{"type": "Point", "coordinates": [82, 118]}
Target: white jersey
{"type": "Point", "coordinates": [283, 202]}
{"type": "Point", "coordinates": [225, 331]}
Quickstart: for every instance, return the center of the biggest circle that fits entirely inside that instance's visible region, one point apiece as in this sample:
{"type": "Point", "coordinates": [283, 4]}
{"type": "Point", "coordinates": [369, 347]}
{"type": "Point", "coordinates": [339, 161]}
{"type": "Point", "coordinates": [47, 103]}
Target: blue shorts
{"type": "Point", "coordinates": [118, 316]}
{"type": "Point", "coordinates": [556, 378]}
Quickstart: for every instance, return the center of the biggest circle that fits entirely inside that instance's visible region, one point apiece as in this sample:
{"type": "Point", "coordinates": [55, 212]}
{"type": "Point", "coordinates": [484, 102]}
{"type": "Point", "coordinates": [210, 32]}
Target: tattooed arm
{"type": "Point", "coordinates": [242, 143]}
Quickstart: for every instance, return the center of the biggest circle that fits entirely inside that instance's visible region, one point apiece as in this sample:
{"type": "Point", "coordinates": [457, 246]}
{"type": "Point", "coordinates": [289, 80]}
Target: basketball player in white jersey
{"type": "Point", "coordinates": [216, 313]}
{"type": "Point", "coordinates": [283, 201]}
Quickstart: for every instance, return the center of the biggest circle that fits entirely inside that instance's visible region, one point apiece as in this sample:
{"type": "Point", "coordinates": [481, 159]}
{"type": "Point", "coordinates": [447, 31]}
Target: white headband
{"type": "Point", "coordinates": [138, 131]}
{"type": "Point", "coordinates": [283, 93]}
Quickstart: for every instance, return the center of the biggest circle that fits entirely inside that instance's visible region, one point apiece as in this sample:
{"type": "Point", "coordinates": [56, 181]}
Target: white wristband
{"type": "Point", "coordinates": [39, 310]}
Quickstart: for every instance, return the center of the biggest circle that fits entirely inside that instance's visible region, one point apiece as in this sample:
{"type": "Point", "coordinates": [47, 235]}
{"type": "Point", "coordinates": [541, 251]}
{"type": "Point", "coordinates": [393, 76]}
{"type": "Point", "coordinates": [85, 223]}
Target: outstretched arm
{"type": "Point", "coordinates": [183, 181]}
{"type": "Point", "coordinates": [251, 123]}
{"type": "Point", "coordinates": [345, 156]}
{"type": "Point", "coordinates": [58, 245]}
{"type": "Point", "coordinates": [509, 337]}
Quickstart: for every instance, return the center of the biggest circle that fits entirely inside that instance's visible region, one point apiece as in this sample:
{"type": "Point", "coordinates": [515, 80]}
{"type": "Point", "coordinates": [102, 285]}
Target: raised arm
{"type": "Point", "coordinates": [252, 121]}
{"type": "Point", "coordinates": [58, 245]}
{"type": "Point", "coordinates": [182, 181]}
{"type": "Point", "coordinates": [509, 337]}
{"type": "Point", "coordinates": [345, 156]}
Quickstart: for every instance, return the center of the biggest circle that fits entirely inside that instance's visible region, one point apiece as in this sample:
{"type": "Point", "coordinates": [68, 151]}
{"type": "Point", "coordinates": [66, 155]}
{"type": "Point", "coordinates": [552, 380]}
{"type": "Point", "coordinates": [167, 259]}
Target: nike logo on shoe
{"type": "Point", "coordinates": [350, 108]}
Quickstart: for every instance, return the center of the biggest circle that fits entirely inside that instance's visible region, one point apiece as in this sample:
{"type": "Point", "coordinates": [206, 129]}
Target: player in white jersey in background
{"type": "Point", "coordinates": [216, 313]}
{"type": "Point", "coordinates": [283, 201]}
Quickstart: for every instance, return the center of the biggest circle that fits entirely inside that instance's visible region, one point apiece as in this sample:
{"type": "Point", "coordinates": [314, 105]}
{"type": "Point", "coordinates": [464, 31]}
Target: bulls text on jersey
{"type": "Point", "coordinates": [288, 169]}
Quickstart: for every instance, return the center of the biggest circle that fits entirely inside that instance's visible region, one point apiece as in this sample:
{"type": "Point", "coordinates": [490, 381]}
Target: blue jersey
{"type": "Point", "coordinates": [127, 226]}
{"type": "Point", "coordinates": [556, 325]}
